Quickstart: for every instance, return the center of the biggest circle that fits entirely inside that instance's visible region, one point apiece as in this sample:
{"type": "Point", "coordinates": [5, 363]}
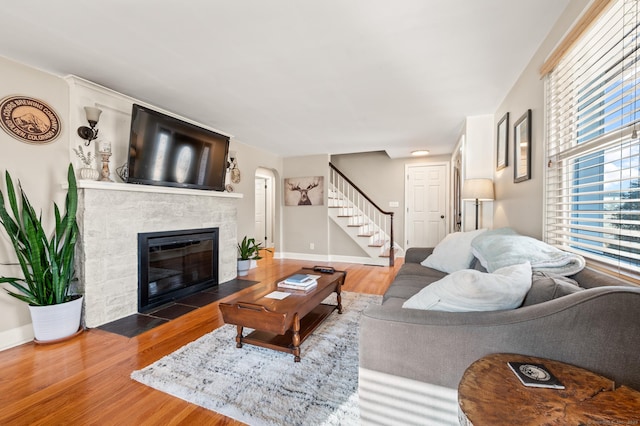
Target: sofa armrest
{"type": "Point", "coordinates": [417, 254]}
{"type": "Point", "coordinates": [597, 329]}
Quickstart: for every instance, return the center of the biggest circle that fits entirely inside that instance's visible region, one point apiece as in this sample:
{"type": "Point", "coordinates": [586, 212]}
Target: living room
{"type": "Point", "coordinates": [299, 232]}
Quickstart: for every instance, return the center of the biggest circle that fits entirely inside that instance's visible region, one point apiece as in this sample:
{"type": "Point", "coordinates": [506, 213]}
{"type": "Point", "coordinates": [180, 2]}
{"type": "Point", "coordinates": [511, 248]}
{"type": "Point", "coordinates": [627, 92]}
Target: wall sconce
{"type": "Point", "coordinates": [232, 165]}
{"type": "Point", "coordinates": [90, 133]}
{"type": "Point", "coordinates": [478, 190]}
{"type": "Point", "coordinates": [232, 160]}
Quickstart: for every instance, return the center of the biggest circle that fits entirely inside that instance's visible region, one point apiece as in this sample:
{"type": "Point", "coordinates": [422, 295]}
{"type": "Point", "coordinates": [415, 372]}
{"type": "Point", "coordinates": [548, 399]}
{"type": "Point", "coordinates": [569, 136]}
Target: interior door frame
{"type": "Point", "coordinates": [447, 194]}
{"type": "Point", "coordinates": [270, 200]}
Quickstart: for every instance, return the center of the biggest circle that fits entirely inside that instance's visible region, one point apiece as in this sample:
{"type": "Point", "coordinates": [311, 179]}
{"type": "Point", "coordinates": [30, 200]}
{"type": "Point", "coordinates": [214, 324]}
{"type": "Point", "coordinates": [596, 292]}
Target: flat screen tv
{"type": "Point", "coordinates": [166, 151]}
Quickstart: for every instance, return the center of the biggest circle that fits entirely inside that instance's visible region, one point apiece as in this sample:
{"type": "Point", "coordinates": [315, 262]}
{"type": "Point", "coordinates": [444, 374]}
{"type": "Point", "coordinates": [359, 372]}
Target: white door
{"type": "Point", "coordinates": [261, 211]}
{"type": "Point", "coordinates": [426, 202]}
{"type": "Point", "coordinates": [265, 207]}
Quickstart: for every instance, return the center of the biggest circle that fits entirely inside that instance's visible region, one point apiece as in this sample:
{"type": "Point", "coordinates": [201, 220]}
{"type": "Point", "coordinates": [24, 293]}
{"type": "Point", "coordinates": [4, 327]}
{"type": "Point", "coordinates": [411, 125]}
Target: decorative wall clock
{"type": "Point", "coordinates": [29, 120]}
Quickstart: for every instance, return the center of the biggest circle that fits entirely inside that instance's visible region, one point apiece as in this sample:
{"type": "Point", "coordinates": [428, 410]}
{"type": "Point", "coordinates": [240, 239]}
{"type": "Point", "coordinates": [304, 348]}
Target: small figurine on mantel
{"type": "Point", "coordinates": [87, 171]}
{"type": "Point", "coordinates": [104, 149]}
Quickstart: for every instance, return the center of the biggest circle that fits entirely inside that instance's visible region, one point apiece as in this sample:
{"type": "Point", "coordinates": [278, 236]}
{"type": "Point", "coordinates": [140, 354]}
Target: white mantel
{"type": "Point", "coordinates": [156, 189]}
{"type": "Point", "coordinates": [110, 216]}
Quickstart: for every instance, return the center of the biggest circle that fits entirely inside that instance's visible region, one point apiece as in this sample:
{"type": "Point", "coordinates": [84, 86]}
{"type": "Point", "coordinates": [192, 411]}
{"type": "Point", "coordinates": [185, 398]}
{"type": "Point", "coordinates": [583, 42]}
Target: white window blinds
{"type": "Point", "coordinates": [592, 183]}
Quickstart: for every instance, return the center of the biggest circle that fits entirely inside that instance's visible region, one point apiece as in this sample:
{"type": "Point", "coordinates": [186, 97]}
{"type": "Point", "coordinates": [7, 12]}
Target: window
{"type": "Point", "coordinates": [592, 182]}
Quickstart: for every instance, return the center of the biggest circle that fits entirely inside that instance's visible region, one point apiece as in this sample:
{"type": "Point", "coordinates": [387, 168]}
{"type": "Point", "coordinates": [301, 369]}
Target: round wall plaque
{"type": "Point", "coordinates": [29, 120]}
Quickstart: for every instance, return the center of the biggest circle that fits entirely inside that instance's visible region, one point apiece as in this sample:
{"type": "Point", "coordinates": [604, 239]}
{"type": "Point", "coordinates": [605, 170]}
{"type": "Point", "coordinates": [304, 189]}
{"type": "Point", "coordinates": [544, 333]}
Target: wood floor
{"type": "Point", "coordinates": [86, 381]}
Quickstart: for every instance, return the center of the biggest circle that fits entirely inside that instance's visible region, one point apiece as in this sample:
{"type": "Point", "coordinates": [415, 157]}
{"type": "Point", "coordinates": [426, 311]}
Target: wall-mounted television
{"type": "Point", "coordinates": [166, 151]}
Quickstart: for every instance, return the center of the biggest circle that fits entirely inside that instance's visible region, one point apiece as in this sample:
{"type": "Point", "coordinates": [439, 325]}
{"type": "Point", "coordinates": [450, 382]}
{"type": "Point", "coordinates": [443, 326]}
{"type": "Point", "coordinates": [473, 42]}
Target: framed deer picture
{"type": "Point", "coordinates": [304, 191]}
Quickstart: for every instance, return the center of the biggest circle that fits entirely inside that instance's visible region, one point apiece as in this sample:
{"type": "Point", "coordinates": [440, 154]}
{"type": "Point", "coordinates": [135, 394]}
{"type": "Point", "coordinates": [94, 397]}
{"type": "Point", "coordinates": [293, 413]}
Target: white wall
{"type": "Point", "coordinates": [305, 226]}
{"type": "Point", "coordinates": [521, 205]}
{"type": "Point", "coordinates": [251, 159]}
{"type": "Point", "coordinates": [41, 170]}
{"type": "Point", "coordinates": [478, 163]}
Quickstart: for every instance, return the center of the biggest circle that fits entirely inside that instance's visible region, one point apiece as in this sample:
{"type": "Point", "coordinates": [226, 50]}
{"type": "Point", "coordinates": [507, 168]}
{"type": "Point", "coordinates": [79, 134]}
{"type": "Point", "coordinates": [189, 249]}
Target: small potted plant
{"type": "Point", "coordinates": [47, 263]}
{"type": "Point", "coordinates": [248, 250]}
{"type": "Point", "coordinates": [87, 171]}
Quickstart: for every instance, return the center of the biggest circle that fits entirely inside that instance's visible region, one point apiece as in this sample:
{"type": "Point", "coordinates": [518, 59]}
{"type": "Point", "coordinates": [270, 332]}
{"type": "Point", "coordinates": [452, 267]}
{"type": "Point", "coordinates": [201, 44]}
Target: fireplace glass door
{"type": "Point", "coordinates": [175, 264]}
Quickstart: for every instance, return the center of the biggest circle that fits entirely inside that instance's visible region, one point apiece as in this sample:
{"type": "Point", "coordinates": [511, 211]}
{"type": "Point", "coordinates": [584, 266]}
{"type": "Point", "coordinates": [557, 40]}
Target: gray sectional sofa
{"type": "Point", "coordinates": [411, 360]}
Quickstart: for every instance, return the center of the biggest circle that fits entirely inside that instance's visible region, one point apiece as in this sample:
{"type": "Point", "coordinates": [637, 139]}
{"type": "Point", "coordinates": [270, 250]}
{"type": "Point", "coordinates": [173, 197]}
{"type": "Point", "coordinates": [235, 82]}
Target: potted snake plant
{"type": "Point", "coordinates": [46, 263]}
{"type": "Point", "coordinates": [248, 250]}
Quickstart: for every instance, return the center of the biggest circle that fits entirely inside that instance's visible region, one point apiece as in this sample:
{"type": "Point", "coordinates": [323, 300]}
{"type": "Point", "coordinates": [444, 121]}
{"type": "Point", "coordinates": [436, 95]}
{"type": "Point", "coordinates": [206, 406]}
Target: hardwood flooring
{"type": "Point", "coordinates": [85, 381]}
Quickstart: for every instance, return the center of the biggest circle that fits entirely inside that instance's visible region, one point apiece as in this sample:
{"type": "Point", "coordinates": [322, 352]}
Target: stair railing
{"type": "Point", "coordinates": [374, 220]}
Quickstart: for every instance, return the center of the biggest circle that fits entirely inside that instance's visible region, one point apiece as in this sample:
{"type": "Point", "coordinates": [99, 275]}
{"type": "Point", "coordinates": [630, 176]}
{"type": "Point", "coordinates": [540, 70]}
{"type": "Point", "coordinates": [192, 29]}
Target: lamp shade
{"type": "Point", "coordinates": [93, 114]}
{"type": "Point", "coordinates": [478, 189]}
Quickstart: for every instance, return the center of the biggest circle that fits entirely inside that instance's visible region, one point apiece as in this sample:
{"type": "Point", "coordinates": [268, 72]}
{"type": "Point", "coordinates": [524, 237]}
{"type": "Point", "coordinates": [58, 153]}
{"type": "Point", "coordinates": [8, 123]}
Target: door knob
{"type": "Point", "coordinates": [441, 216]}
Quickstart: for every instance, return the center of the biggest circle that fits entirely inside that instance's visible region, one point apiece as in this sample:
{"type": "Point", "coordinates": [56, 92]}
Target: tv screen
{"type": "Point", "coordinates": [164, 150]}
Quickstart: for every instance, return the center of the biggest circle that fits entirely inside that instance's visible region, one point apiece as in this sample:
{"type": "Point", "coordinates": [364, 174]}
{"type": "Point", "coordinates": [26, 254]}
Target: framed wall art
{"type": "Point", "coordinates": [502, 148]}
{"type": "Point", "coordinates": [304, 191]}
{"type": "Point", "coordinates": [522, 148]}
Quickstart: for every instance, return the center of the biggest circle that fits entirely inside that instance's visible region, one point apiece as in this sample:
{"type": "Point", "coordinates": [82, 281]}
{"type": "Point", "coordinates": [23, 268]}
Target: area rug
{"type": "Point", "coordinates": [260, 386]}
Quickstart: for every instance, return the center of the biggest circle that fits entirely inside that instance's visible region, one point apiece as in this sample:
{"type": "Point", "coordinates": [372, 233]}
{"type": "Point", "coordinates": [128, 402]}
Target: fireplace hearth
{"type": "Point", "coordinates": [175, 264]}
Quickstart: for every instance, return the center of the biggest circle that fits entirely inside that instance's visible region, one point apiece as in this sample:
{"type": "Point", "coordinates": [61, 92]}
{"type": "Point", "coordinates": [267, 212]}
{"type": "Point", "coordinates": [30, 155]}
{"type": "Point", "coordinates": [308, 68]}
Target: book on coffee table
{"type": "Point", "coordinates": [301, 279]}
{"type": "Point", "coordinates": [307, 286]}
{"type": "Point", "coordinates": [535, 375]}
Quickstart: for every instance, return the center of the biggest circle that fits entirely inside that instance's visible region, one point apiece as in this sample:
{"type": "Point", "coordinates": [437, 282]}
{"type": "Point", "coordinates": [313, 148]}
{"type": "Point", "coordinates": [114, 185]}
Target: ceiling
{"type": "Point", "coordinates": [294, 77]}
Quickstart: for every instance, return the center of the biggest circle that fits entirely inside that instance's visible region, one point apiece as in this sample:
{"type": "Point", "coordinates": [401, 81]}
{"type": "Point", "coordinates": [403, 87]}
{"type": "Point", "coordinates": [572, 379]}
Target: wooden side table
{"type": "Point", "coordinates": [490, 394]}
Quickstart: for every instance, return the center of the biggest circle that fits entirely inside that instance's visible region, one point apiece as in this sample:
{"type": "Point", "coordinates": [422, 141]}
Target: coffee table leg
{"type": "Point", "coordinates": [339, 300]}
{"type": "Point", "coordinates": [296, 338]}
{"type": "Point", "coordinates": [239, 337]}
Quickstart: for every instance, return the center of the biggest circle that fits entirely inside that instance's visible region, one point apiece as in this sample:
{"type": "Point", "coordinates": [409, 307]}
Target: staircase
{"type": "Point", "coordinates": [366, 223]}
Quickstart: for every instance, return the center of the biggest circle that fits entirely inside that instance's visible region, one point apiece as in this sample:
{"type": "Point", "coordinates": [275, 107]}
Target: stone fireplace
{"type": "Point", "coordinates": [110, 217]}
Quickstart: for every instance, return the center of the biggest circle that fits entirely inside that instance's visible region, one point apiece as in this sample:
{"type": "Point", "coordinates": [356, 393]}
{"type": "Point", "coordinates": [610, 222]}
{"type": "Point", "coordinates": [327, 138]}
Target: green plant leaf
{"type": "Point", "coordinates": [47, 264]}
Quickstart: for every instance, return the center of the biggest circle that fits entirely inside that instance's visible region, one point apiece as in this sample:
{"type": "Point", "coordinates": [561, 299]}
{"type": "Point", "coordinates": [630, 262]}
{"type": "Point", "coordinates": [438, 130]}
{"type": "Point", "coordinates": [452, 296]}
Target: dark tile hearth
{"type": "Point", "coordinates": [200, 299]}
{"type": "Point", "coordinates": [172, 311]}
{"type": "Point", "coordinates": [133, 325]}
{"type": "Point", "coordinates": [136, 324]}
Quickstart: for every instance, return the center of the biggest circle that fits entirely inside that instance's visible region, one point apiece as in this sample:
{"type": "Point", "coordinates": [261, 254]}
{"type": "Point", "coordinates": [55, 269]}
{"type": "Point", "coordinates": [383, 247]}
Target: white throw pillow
{"type": "Point", "coordinates": [453, 253]}
{"type": "Point", "coordinates": [471, 290]}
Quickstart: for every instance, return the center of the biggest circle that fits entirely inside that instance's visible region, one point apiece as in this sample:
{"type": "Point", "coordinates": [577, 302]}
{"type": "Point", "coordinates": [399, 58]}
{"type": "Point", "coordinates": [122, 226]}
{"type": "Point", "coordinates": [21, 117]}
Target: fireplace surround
{"type": "Point", "coordinates": [110, 217]}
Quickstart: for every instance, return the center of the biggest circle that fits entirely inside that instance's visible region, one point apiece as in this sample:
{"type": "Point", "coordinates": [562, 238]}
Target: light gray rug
{"type": "Point", "coordinates": [262, 387]}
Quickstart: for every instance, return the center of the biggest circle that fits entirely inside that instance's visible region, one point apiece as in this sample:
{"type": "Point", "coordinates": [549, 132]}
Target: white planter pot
{"type": "Point", "coordinates": [243, 267]}
{"type": "Point", "coordinates": [55, 322]}
{"type": "Point", "coordinates": [87, 173]}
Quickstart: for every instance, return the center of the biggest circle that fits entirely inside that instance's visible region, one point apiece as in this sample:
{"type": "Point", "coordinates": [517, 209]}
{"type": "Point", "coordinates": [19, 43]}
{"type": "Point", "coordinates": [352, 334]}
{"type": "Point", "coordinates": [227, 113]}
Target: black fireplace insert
{"type": "Point", "coordinates": [175, 264]}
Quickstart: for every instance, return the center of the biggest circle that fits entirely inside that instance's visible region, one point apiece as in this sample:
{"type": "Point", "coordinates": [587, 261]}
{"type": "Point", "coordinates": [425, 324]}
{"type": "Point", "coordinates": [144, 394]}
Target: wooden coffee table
{"type": "Point", "coordinates": [284, 324]}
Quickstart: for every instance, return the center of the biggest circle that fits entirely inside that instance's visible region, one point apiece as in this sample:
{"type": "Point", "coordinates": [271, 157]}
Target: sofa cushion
{"type": "Point", "coordinates": [401, 292]}
{"type": "Point", "coordinates": [416, 270]}
{"type": "Point", "coordinates": [546, 287]}
{"type": "Point", "coordinates": [471, 290]}
{"type": "Point", "coordinates": [405, 286]}
{"type": "Point", "coordinates": [453, 253]}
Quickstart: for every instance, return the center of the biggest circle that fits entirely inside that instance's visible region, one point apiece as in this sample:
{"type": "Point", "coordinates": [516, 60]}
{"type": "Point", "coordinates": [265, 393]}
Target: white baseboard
{"type": "Point", "coordinates": [302, 256]}
{"type": "Point", "coordinates": [359, 260]}
{"type": "Point", "coordinates": [327, 258]}
{"type": "Point", "coordinates": [16, 336]}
